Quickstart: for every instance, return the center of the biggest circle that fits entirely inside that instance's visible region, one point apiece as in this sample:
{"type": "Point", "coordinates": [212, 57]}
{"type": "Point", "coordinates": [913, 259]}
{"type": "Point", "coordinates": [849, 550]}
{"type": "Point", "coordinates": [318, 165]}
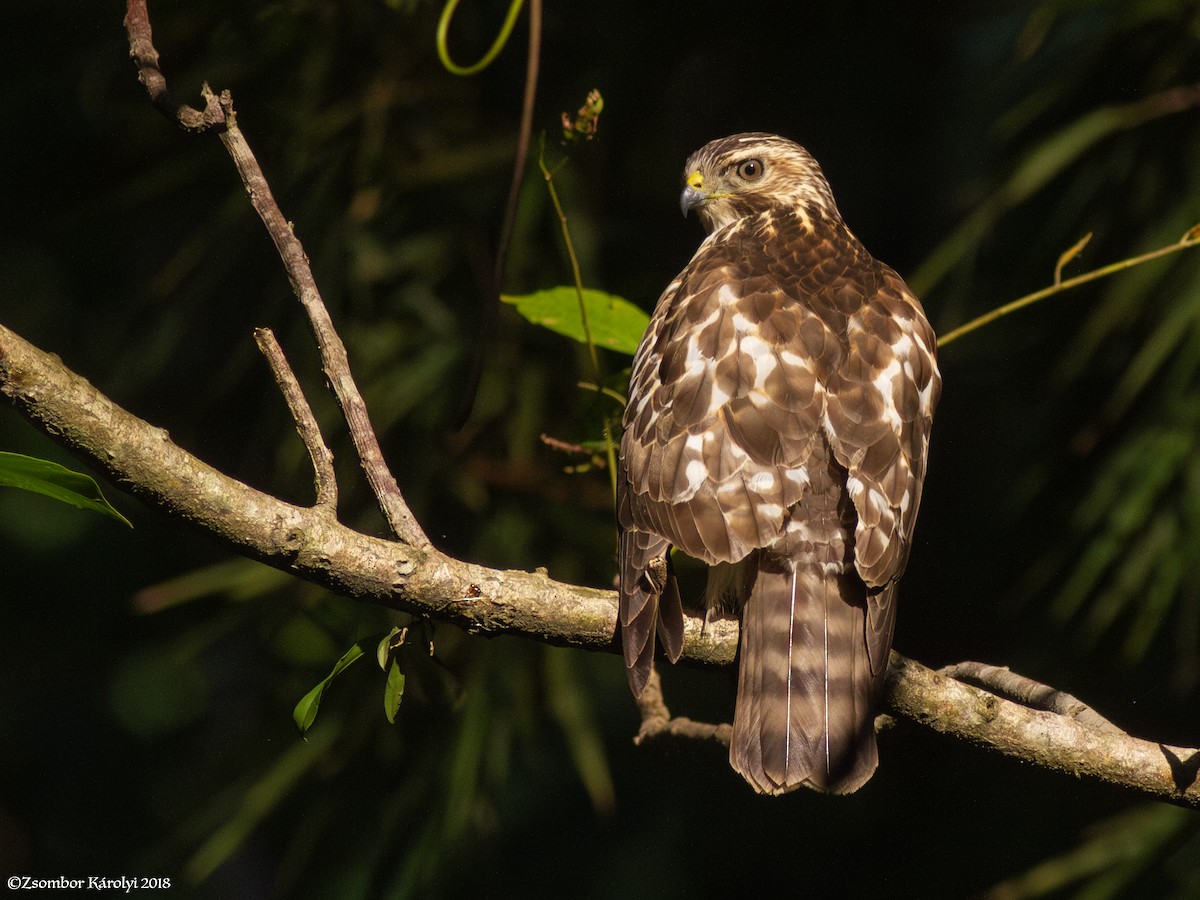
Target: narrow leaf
{"type": "Point", "coordinates": [393, 693]}
{"type": "Point", "coordinates": [615, 323]}
{"type": "Point", "coordinates": [49, 478]}
{"type": "Point", "coordinates": [305, 712]}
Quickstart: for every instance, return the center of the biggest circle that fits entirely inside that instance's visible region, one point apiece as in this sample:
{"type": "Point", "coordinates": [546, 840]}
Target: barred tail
{"type": "Point", "coordinates": [806, 691]}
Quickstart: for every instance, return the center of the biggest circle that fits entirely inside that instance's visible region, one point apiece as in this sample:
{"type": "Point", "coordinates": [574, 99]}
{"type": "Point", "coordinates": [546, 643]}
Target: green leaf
{"type": "Point", "coordinates": [44, 477]}
{"type": "Point", "coordinates": [615, 323]}
{"type": "Point", "coordinates": [305, 712]}
{"type": "Point", "coordinates": [393, 693]}
{"type": "Point", "coordinates": [383, 651]}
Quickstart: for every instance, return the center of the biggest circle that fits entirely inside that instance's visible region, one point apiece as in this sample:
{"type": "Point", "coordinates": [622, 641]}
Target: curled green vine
{"type": "Point", "coordinates": [443, 31]}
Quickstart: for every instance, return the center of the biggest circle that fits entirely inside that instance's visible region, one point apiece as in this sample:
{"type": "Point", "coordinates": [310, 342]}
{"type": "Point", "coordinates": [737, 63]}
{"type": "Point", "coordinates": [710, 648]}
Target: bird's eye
{"type": "Point", "coordinates": [751, 169]}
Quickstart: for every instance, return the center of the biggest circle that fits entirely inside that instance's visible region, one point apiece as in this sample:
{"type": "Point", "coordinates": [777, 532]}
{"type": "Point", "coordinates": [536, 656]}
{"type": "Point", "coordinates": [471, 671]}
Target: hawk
{"type": "Point", "coordinates": [777, 429]}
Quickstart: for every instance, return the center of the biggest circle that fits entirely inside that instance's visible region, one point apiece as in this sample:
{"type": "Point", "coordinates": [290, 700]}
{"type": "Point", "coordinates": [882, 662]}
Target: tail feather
{"type": "Point", "coordinates": [806, 690]}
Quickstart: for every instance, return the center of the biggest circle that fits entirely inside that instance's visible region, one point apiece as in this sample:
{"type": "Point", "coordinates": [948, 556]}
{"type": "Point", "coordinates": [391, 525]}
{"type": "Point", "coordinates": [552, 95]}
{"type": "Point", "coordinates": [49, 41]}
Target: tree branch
{"type": "Point", "coordinates": [1045, 739]}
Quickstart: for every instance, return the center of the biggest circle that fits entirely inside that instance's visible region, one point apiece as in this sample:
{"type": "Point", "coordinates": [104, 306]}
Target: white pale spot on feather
{"type": "Point", "coordinates": [797, 477]}
{"type": "Point", "coordinates": [756, 348]}
{"type": "Point", "coordinates": [903, 346]}
{"type": "Point", "coordinates": [769, 511]}
{"type": "Point", "coordinates": [762, 482]}
{"type": "Point", "coordinates": [927, 398]}
{"type": "Point", "coordinates": [695, 369]}
{"type": "Point", "coordinates": [696, 472]}
{"type": "Point", "coordinates": [794, 359]}
{"type": "Point", "coordinates": [884, 383]}
{"type": "Point", "coordinates": [854, 487]}
{"type": "Point", "coordinates": [764, 366]}
{"type": "Point", "coordinates": [818, 533]}
{"type": "Point", "coordinates": [719, 399]}
{"type": "Point", "coordinates": [868, 496]}
{"type": "Point", "coordinates": [741, 324]}
{"type": "Point", "coordinates": [879, 503]}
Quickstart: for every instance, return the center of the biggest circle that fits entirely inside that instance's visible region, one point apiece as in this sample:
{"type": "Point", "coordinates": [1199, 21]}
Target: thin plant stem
{"type": "Point", "coordinates": [548, 175]}
{"type": "Point", "coordinates": [1191, 239]}
{"type": "Point", "coordinates": [606, 391]}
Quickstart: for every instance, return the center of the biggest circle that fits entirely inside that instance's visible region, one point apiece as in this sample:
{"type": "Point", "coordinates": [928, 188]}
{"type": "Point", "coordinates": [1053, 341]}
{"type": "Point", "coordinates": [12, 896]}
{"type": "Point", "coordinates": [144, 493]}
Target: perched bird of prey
{"type": "Point", "coordinates": [777, 429]}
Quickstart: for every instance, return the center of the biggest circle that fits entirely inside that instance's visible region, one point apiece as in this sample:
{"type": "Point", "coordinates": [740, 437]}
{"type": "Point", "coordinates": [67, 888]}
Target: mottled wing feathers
{"type": "Point", "coordinates": [724, 410]}
{"type": "Point", "coordinates": [650, 602]}
{"type": "Point", "coordinates": [879, 408]}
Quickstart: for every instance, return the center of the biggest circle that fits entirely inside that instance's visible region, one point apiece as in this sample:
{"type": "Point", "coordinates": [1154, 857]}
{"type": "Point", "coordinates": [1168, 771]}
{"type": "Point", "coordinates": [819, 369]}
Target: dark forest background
{"type": "Point", "coordinates": [147, 677]}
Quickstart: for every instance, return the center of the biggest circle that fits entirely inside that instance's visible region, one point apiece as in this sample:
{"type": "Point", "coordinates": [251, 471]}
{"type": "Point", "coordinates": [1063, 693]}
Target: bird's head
{"type": "Point", "coordinates": [745, 174]}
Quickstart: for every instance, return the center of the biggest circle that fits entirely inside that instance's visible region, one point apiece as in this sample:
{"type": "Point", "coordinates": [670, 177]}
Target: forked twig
{"type": "Point", "coordinates": [334, 360]}
{"type": "Point", "coordinates": [306, 422]}
{"type": "Point", "coordinates": [657, 721]}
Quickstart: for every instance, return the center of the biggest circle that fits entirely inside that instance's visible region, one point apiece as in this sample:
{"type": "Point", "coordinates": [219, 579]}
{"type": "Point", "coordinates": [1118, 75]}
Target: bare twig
{"type": "Point", "coordinates": [563, 446]}
{"type": "Point", "coordinates": [657, 722]}
{"type": "Point", "coordinates": [141, 49]}
{"type": "Point", "coordinates": [334, 360]}
{"type": "Point", "coordinates": [306, 422]}
{"type": "Point", "coordinates": [1007, 683]}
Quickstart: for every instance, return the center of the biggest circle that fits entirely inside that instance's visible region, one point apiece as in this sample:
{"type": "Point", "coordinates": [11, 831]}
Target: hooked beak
{"type": "Point", "coordinates": [693, 193]}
